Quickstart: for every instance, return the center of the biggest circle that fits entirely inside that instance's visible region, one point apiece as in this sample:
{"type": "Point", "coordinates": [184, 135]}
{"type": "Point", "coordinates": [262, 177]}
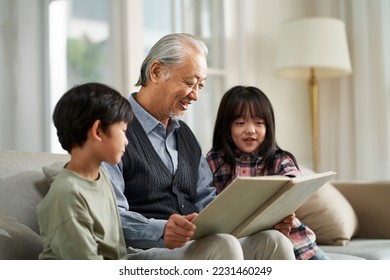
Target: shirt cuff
{"type": "Point", "coordinates": [152, 238]}
{"type": "Point", "coordinates": [158, 227]}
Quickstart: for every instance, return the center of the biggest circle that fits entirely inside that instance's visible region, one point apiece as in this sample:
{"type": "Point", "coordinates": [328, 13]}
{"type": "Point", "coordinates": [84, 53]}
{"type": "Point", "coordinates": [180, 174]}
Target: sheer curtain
{"type": "Point", "coordinates": [355, 111]}
{"type": "Point", "coordinates": [22, 90]}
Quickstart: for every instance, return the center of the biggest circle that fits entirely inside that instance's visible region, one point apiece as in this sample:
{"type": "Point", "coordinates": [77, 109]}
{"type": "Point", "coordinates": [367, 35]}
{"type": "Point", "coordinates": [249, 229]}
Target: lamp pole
{"type": "Point", "coordinates": [313, 92]}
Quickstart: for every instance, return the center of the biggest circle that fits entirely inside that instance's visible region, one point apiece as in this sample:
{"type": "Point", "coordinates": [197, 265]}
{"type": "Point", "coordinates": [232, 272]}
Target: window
{"type": "Point", "coordinates": [78, 46]}
{"type": "Point", "coordinates": [84, 41]}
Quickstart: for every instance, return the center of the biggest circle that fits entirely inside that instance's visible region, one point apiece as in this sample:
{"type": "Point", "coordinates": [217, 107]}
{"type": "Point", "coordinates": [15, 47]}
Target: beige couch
{"type": "Point", "coordinates": [23, 185]}
{"type": "Point", "coordinates": [371, 203]}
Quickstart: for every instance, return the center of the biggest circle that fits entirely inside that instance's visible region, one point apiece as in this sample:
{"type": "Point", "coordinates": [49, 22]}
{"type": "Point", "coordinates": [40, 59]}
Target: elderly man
{"type": "Point", "coordinates": [163, 180]}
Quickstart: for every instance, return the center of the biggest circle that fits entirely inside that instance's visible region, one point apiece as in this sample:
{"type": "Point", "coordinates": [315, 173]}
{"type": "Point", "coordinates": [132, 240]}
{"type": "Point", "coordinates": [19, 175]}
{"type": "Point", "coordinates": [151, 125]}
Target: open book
{"type": "Point", "coordinates": [252, 204]}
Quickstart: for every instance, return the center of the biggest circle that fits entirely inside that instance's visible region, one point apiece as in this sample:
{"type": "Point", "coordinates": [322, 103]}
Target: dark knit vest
{"type": "Point", "coordinates": [150, 188]}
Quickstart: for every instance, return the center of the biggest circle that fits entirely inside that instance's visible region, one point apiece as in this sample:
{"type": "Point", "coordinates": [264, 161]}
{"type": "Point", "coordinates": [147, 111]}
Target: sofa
{"type": "Point", "coordinates": [362, 231]}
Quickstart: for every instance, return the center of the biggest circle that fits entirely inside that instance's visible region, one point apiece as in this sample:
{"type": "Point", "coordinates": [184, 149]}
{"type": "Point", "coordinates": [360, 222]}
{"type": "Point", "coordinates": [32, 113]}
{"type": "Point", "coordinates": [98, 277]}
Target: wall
{"type": "Point", "coordinates": [254, 36]}
{"type": "Point", "coordinates": [289, 97]}
{"type": "Point", "coordinates": [253, 29]}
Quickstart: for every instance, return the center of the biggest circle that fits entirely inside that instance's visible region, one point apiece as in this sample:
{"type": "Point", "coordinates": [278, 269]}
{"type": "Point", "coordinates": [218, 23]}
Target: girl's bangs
{"type": "Point", "coordinates": [249, 105]}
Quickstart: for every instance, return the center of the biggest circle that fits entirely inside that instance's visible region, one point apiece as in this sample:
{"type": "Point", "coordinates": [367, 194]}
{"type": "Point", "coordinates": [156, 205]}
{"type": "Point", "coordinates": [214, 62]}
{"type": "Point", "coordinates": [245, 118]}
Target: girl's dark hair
{"type": "Point", "coordinates": [81, 106]}
{"type": "Point", "coordinates": [234, 104]}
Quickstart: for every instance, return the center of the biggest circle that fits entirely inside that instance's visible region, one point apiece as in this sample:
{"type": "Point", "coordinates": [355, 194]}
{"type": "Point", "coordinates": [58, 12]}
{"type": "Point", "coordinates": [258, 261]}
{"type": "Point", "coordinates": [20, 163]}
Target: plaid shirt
{"type": "Point", "coordinates": [300, 235]}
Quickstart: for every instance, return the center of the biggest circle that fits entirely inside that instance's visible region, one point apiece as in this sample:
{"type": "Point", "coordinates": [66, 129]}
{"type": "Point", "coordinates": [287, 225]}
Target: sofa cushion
{"type": "Point", "coordinates": [370, 249]}
{"type": "Point", "coordinates": [20, 194]}
{"type": "Point", "coordinates": [23, 185]}
{"type": "Point", "coordinates": [18, 241]}
{"type": "Point", "coordinates": [329, 214]}
{"type": "Point", "coordinates": [342, 256]}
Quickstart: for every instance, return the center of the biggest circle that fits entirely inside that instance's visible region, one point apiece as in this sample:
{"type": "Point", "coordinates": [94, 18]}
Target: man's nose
{"type": "Point", "coordinates": [194, 94]}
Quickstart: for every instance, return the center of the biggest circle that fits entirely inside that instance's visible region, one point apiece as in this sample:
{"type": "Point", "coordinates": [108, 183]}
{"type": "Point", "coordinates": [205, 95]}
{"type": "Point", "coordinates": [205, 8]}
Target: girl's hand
{"type": "Point", "coordinates": [286, 225]}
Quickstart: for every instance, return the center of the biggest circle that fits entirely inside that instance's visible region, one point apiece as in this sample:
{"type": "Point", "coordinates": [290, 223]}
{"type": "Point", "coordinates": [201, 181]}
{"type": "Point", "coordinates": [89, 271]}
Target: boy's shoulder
{"type": "Point", "coordinates": [64, 182]}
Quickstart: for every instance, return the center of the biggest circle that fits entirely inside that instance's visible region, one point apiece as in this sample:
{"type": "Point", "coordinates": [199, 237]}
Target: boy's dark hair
{"type": "Point", "coordinates": [81, 106]}
{"type": "Point", "coordinates": [234, 104]}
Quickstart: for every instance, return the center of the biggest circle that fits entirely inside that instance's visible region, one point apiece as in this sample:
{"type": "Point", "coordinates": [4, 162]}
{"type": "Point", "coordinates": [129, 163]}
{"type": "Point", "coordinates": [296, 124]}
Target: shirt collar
{"type": "Point", "coordinates": [244, 156]}
{"type": "Point", "coordinates": [147, 121]}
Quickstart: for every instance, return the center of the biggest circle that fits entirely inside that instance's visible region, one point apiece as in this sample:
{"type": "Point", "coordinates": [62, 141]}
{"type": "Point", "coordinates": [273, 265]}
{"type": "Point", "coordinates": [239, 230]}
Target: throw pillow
{"type": "Point", "coordinates": [52, 170]}
{"type": "Point", "coordinates": [329, 214]}
{"type": "Point", "coordinates": [18, 241]}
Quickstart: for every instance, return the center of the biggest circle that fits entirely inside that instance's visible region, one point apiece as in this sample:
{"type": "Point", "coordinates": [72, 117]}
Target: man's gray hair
{"type": "Point", "coordinates": [170, 50]}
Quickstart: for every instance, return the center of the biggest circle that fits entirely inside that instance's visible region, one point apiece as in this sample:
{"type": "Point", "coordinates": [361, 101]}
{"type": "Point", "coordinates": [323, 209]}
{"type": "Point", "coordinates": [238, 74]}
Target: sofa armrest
{"type": "Point", "coordinates": [371, 202]}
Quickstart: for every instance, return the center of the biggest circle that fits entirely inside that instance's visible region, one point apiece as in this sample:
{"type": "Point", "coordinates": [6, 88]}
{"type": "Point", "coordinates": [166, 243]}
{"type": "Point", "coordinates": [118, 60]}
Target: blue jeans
{"type": "Point", "coordinates": [320, 255]}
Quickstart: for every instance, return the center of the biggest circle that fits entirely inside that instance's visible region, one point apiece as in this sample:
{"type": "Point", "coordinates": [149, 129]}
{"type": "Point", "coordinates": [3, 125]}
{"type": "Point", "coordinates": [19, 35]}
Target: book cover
{"type": "Point", "coordinates": [252, 204]}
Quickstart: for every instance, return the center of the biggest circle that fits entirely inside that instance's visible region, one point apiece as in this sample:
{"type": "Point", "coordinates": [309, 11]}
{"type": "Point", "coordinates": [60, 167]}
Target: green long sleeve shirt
{"type": "Point", "coordinates": [78, 219]}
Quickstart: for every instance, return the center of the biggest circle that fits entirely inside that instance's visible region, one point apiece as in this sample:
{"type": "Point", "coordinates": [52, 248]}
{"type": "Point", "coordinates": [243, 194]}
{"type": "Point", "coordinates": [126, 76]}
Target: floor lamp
{"type": "Point", "coordinates": [313, 49]}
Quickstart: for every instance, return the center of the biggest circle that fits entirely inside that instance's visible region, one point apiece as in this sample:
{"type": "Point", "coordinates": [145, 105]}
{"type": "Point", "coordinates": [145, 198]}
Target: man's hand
{"type": "Point", "coordinates": [178, 230]}
{"type": "Point", "coordinates": [286, 225]}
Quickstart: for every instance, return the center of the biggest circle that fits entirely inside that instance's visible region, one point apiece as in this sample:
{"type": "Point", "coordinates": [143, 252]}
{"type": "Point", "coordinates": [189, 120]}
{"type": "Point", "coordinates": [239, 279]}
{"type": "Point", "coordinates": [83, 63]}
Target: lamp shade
{"type": "Point", "coordinates": [313, 43]}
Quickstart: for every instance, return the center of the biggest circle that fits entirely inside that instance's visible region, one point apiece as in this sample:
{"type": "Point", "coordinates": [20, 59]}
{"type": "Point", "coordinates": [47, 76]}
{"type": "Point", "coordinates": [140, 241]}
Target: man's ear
{"type": "Point", "coordinates": [96, 130]}
{"type": "Point", "coordinates": [156, 71]}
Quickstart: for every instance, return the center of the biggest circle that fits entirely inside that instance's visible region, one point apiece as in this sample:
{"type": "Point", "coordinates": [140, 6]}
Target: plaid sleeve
{"type": "Point", "coordinates": [303, 239]}
{"type": "Point", "coordinates": [221, 172]}
{"type": "Point", "coordinates": [286, 166]}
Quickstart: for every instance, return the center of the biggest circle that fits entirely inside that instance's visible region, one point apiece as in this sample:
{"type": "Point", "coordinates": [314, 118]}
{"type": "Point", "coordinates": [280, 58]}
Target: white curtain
{"type": "Point", "coordinates": [24, 119]}
{"type": "Point", "coordinates": [355, 111]}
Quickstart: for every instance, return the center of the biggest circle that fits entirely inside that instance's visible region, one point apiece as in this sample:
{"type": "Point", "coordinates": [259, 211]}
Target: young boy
{"type": "Point", "coordinates": [78, 218]}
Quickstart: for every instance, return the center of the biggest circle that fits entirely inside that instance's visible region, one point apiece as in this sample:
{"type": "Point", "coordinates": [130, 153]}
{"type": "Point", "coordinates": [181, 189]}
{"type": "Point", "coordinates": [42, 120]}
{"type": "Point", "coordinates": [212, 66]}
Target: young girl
{"type": "Point", "coordinates": [78, 218]}
{"type": "Point", "coordinates": [244, 144]}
